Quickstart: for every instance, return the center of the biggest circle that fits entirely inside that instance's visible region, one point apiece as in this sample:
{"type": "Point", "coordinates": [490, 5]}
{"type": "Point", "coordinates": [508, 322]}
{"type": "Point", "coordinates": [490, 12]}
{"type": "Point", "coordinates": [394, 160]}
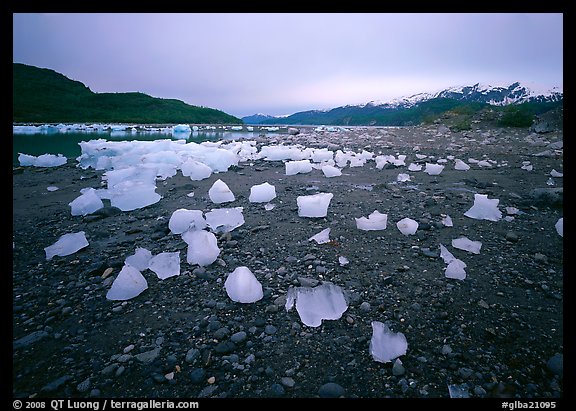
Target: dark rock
{"type": "Point", "coordinates": [331, 390]}
{"type": "Point", "coordinates": [556, 364]}
{"type": "Point", "coordinates": [276, 390]}
{"type": "Point", "coordinates": [225, 347]}
{"type": "Point", "coordinates": [197, 375]}
{"type": "Point", "coordinates": [29, 339]}
{"type": "Point", "coordinates": [548, 196]}
{"type": "Point", "coordinates": [54, 385]}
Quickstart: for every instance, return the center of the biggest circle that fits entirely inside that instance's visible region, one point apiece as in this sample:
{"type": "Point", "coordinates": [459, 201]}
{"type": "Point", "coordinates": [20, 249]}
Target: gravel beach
{"type": "Point", "coordinates": [497, 333]}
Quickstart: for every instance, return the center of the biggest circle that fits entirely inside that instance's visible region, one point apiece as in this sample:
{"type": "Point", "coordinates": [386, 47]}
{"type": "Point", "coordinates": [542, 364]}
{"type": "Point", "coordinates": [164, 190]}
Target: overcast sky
{"type": "Point", "coordinates": [283, 63]}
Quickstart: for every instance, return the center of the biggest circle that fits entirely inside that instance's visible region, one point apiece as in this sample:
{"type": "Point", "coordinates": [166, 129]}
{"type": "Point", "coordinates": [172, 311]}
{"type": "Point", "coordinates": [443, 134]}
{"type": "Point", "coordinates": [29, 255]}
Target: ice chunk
{"type": "Point", "coordinates": [343, 260]}
{"type": "Point", "coordinates": [181, 128]}
{"type": "Point", "coordinates": [262, 193]}
{"type": "Point", "coordinates": [407, 226]}
{"type": "Point", "coordinates": [298, 166]}
{"type": "Point", "coordinates": [402, 177]}
{"type": "Point", "coordinates": [269, 207]}
{"type": "Point", "coordinates": [183, 220]}
{"type": "Point", "coordinates": [455, 268]}
{"type": "Point", "coordinates": [66, 245]}
{"type": "Point", "coordinates": [484, 208]}
{"type": "Point", "coordinates": [165, 265]}
{"type": "Point", "coordinates": [202, 247]}
{"type": "Point", "coordinates": [223, 220]}
{"type": "Point", "coordinates": [139, 259]}
{"type": "Point", "coordinates": [458, 391]}
{"type": "Point", "coordinates": [220, 193]}
{"type": "Point", "coordinates": [52, 188]}
{"type": "Point", "coordinates": [527, 167]}
{"type": "Point", "coordinates": [484, 163]}
{"type": "Point", "coordinates": [511, 210]}
{"type": "Point", "coordinates": [87, 203]}
{"type": "Point", "coordinates": [375, 221]}
{"type": "Point", "coordinates": [550, 181]}
{"type": "Point", "coordinates": [315, 205]}
{"type": "Point", "coordinates": [44, 160]}
{"type": "Point", "coordinates": [414, 167]}
{"type": "Point", "coordinates": [446, 255]}
{"type": "Point", "coordinates": [386, 345]}
{"type": "Point", "coordinates": [555, 173]}
{"type": "Point", "coordinates": [447, 220]}
{"type": "Point", "coordinates": [433, 169]}
{"type": "Point", "coordinates": [195, 170]}
{"type": "Point", "coordinates": [129, 284]}
{"type": "Point", "coordinates": [461, 165]}
{"type": "Point", "coordinates": [322, 237]}
{"type": "Point", "coordinates": [131, 195]}
{"type": "Point", "coordinates": [325, 302]}
{"type": "Point", "coordinates": [331, 171]}
{"type": "Point", "coordinates": [243, 287]}
{"type": "Point", "coordinates": [464, 243]}
{"type": "Point", "coordinates": [560, 227]}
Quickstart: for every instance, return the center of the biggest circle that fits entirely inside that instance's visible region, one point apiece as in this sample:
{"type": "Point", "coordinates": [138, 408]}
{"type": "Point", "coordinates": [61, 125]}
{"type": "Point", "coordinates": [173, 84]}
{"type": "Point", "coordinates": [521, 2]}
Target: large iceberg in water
{"type": "Point", "coordinates": [325, 302]}
{"type": "Point", "coordinates": [243, 287]}
{"type": "Point", "coordinates": [386, 345]}
{"type": "Point", "coordinates": [315, 205]}
{"type": "Point", "coordinates": [66, 245]}
{"type": "Point", "coordinates": [129, 284]}
{"type": "Point", "coordinates": [484, 208]}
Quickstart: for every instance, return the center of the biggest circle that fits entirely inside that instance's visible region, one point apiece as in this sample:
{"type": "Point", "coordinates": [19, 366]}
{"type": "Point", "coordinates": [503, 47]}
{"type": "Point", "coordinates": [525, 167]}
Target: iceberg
{"type": "Point", "coordinates": [331, 171]}
{"type": "Point", "coordinates": [414, 167]}
{"type": "Point", "coordinates": [322, 237]}
{"type": "Point", "coordinates": [131, 187]}
{"type": "Point", "coordinates": [129, 284]}
{"type": "Point", "coordinates": [262, 193]}
{"type": "Point", "coordinates": [224, 220]}
{"type": "Point", "coordinates": [484, 208]}
{"type": "Point", "coordinates": [402, 177]}
{"type": "Point", "coordinates": [202, 247]}
{"type": "Point", "coordinates": [67, 244]}
{"type": "Point", "coordinates": [183, 220]}
{"type": "Point", "coordinates": [220, 193]}
{"type": "Point", "coordinates": [386, 345]}
{"type": "Point", "coordinates": [195, 170]}
{"type": "Point", "coordinates": [298, 167]}
{"type": "Point", "coordinates": [44, 160]}
{"type": "Point", "coordinates": [463, 243]}
{"type": "Point", "coordinates": [87, 203]}
{"type": "Point", "coordinates": [407, 226]}
{"type": "Point", "coordinates": [375, 221]}
{"type": "Point", "coordinates": [555, 173]}
{"type": "Point", "coordinates": [455, 268]}
{"type": "Point", "coordinates": [560, 227]}
{"type": "Point", "coordinates": [447, 220]}
{"type": "Point", "coordinates": [315, 205]}
{"type": "Point", "coordinates": [140, 259]}
{"type": "Point", "coordinates": [165, 265]}
{"type": "Point", "coordinates": [243, 287]}
{"type": "Point", "coordinates": [325, 302]}
{"type": "Point", "coordinates": [461, 165]}
{"type": "Point", "coordinates": [433, 169]}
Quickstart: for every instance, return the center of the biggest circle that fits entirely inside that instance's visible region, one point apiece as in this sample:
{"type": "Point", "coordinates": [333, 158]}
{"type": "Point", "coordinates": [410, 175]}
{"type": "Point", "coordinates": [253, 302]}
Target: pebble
{"type": "Point", "coordinates": [398, 368]}
{"type": "Point", "coordinates": [331, 390]}
{"type": "Point", "coordinates": [148, 356]}
{"type": "Point", "coordinates": [511, 236]}
{"type": "Point", "coordinates": [192, 355]}
{"type": "Point", "coordinates": [277, 390]}
{"type": "Point", "coordinates": [270, 329]}
{"type": "Point", "coordinates": [446, 349]}
{"type": "Point", "coordinates": [365, 307]}
{"type": "Point", "coordinates": [211, 380]}
{"type": "Point", "coordinates": [556, 364]}
{"type": "Point", "coordinates": [84, 385]}
{"type": "Point", "coordinates": [238, 337]}
{"type": "Point", "coordinates": [197, 375]}
{"type": "Point", "coordinates": [288, 382]}
{"type": "Point", "coordinates": [128, 349]}
{"type": "Point", "coordinates": [57, 383]}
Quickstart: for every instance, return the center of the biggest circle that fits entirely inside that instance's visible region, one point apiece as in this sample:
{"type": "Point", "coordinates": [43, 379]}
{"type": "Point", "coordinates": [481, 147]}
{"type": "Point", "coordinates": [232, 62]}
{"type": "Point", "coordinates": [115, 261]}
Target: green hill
{"type": "Point", "coordinates": [45, 96]}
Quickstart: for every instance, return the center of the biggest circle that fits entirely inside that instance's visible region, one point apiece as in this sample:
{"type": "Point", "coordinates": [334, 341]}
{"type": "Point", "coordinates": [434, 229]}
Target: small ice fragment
{"type": "Point", "coordinates": [139, 259]}
{"type": "Point", "coordinates": [220, 193]}
{"type": "Point", "coordinates": [555, 173]}
{"type": "Point", "coordinates": [324, 302]}
{"type": "Point", "coordinates": [421, 156]}
{"type": "Point", "coordinates": [331, 171]}
{"type": "Point", "coordinates": [262, 193]}
{"type": "Point", "coordinates": [87, 203]}
{"type": "Point", "coordinates": [560, 227]}
{"type": "Point", "coordinates": [402, 177]}
{"type": "Point", "coordinates": [527, 167]}
{"type": "Point", "coordinates": [202, 247]}
{"type": "Point", "coordinates": [165, 265]}
{"type": "Point", "coordinates": [322, 237]}
{"type": "Point", "coordinates": [407, 226]}
{"type": "Point", "coordinates": [315, 205]}
{"type": "Point", "coordinates": [375, 221]}
{"type": "Point", "coordinates": [52, 188]}
{"type": "Point", "coordinates": [461, 165]}
{"type": "Point", "coordinates": [242, 286]}
{"type": "Point", "coordinates": [183, 220]}
{"type": "Point", "coordinates": [447, 221]}
{"type": "Point", "coordinates": [190, 194]}
{"type": "Point", "coordinates": [550, 181]}
{"type": "Point", "coordinates": [508, 218]}
{"type": "Point", "coordinates": [484, 163]}
{"type": "Point", "coordinates": [269, 207]}
{"type": "Point", "coordinates": [433, 169]}
{"type": "Point", "coordinates": [297, 167]}
{"type": "Point", "coordinates": [129, 284]}
{"type": "Point", "coordinates": [456, 270]}
{"type": "Point", "coordinates": [484, 208]}
{"type": "Point", "coordinates": [458, 391]}
{"type": "Point", "coordinates": [463, 243]}
{"type": "Point", "coordinates": [67, 244]}
{"type": "Point", "coordinates": [511, 210]}
{"type": "Point", "coordinates": [414, 167]}
{"type": "Point", "coordinates": [343, 260]}
{"type": "Point", "coordinates": [386, 345]}
{"type": "Point", "coordinates": [223, 220]}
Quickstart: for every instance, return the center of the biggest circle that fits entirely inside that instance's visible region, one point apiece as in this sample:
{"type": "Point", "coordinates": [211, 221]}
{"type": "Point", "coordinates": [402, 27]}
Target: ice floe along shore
{"type": "Point", "coordinates": [266, 282]}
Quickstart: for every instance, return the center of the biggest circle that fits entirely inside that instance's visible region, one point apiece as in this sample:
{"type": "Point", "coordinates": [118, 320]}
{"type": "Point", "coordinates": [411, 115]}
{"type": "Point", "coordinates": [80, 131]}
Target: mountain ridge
{"type": "Point", "coordinates": [44, 95]}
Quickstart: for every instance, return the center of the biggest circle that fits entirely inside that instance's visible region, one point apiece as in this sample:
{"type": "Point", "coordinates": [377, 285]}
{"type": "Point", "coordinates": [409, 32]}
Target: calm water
{"type": "Point", "coordinates": [67, 143]}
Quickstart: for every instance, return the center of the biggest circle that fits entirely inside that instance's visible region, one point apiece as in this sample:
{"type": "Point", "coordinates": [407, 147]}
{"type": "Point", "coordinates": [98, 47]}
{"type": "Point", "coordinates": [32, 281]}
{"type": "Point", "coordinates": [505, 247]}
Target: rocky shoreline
{"type": "Point", "coordinates": [497, 333]}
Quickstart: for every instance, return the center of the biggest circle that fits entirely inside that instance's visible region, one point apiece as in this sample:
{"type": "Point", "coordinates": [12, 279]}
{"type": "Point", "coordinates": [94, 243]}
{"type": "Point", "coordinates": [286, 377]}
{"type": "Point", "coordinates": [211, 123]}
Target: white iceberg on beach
{"type": "Point", "coordinates": [484, 208]}
{"type": "Point", "coordinates": [262, 193]}
{"type": "Point", "coordinates": [298, 167]}
{"type": "Point", "coordinates": [375, 221]}
{"type": "Point", "coordinates": [243, 287]}
{"type": "Point", "coordinates": [139, 259]}
{"type": "Point", "coordinates": [560, 227]}
{"type": "Point", "coordinates": [322, 237]}
{"type": "Point", "coordinates": [455, 268]}
{"type": "Point", "coordinates": [324, 302]}
{"type": "Point", "coordinates": [66, 245]}
{"type": "Point", "coordinates": [202, 247]}
{"type": "Point", "coordinates": [224, 220]}
{"type": "Point", "coordinates": [386, 345]}
{"type": "Point", "coordinates": [165, 265]}
{"type": "Point", "coordinates": [183, 220]}
{"type": "Point", "coordinates": [464, 243]}
{"type": "Point", "coordinates": [220, 192]}
{"type": "Point", "coordinates": [87, 203]}
{"type": "Point", "coordinates": [315, 205]}
{"type": "Point", "coordinates": [407, 226]}
{"type": "Point", "coordinates": [433, 169]}
{"type": "Point", "coordinates": [129, 284]}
